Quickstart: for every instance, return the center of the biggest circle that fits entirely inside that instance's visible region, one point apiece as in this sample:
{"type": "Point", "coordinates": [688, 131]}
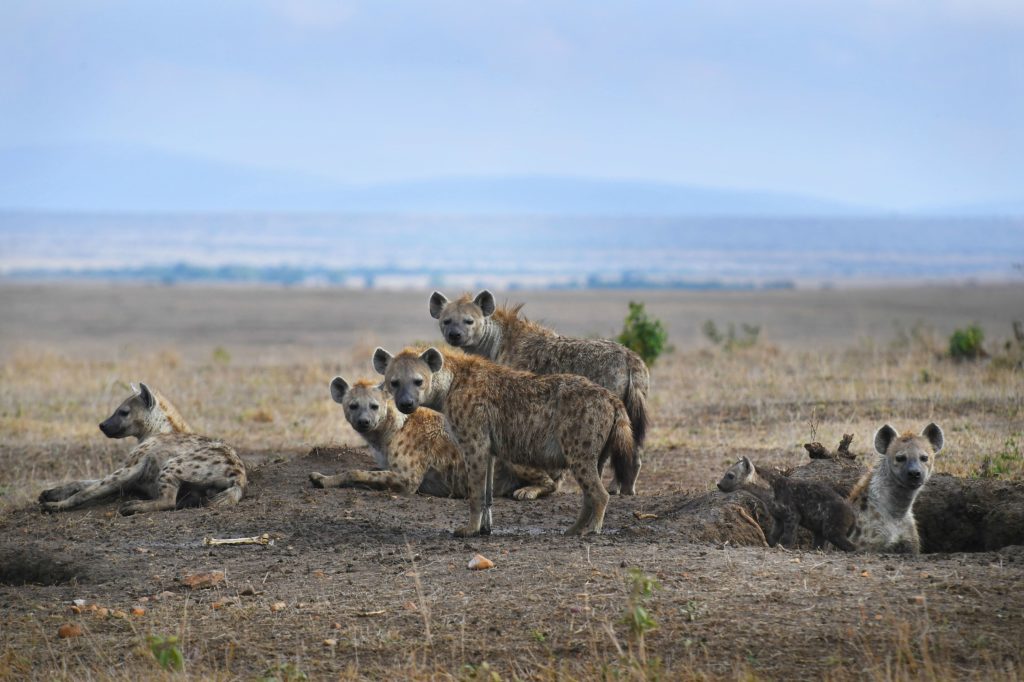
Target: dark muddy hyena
{"type": "Point", "coordinates": [478, 327]}
{"type": "Point", "coordinates": [415, 452]}
{"type": "Point", "coordinates": [551, 422]}
{"type": "Point", "coordinates": [791, 503]}
{"type": "Point", "coordinates": [884, 497]}
{"type": "Point", "coordinates": [169, 457]}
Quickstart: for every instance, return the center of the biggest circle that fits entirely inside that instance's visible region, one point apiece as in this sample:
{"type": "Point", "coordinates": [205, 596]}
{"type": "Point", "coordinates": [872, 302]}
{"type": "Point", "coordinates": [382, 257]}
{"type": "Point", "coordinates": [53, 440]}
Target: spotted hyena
{"type": "Point", "coordinates": [884, 497]}
{"type": "Point", "coordinates": [791, 503]}
{"type": "Point", "coordinates": [477, 326]}
{"type": "Point", "coordinates": [169, 458]}
{"type": "Point", "coordinates": [416, 452]}
{"type": "Point", "coordinates": [551, 422]}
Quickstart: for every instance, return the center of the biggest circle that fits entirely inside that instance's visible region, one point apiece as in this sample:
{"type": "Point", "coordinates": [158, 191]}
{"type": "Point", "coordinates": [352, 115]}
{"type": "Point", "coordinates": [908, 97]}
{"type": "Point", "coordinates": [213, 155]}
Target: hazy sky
{"type": "Point", "coordinates": [890, 103]}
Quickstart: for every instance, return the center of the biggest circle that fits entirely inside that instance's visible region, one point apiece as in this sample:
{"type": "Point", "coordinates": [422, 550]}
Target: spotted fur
{"type": "Point", "coordinates": [791, 503]}
{"type": "Point", "coordinates": [884, 496]}
{"type": "Point", "coordinates": [168, 459]}
{"type": "Point", "coordinates": [477, 326]}
{"type": "Point", "coordinates": [416, 453]}
{"type": "Point", "coordinates": [552, 422]}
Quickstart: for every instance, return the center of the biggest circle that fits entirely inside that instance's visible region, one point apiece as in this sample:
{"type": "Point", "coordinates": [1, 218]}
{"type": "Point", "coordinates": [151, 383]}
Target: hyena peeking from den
{"type": "Point", "coordinates": [169, 458]}
{"type": "Point", "coordinates": [477, 326]}
{"type": "Point", "coordinates": [884, 497]}
{"type": "Point", "coordinates": [551, 422]}
{"type": "Point", "coordinates": [415, 453]}
{"type": "Point", "coordinates": [791, 503]}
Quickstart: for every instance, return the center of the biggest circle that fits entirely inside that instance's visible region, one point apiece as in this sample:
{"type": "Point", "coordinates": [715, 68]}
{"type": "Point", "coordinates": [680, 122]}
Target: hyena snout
{"type": "Point", "coordinates": [455, 337]}
{"type": "Point", "coordinates": [406, 405]}
{"type": "Point", "coordinates": [111, 429]}
{"type": "Point", "coordinates": [362, 424]}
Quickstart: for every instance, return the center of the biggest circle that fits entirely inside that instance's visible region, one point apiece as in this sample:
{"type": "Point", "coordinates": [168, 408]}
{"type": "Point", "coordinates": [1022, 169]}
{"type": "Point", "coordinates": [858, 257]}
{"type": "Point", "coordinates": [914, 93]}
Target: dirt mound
{"type": "Point", "coordinates": [35, 565]}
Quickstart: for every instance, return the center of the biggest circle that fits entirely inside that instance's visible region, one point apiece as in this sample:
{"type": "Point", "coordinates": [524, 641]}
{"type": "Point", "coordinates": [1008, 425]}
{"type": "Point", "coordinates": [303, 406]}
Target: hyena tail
{"type": "Point", "coordinates": [228, 497]}
{"type": "Point", "coordinates": [635, 401]}
{"type": "Point", "coordinates": [621, 448]}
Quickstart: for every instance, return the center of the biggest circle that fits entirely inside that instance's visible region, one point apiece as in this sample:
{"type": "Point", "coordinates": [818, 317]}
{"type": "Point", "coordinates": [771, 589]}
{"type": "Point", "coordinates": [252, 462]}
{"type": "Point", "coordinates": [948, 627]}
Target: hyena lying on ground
{"type": "Point", "coordinates": [168, 457]}
{"type": "Point", "coordinates": [415, 451]}
{"type": "Point", "coordinates": [884, 497]}
{"type": "Point", "coordinates": [813, 505]}
{"type": "Point", "coordinates": [552, 422]}
{"type": "Point", "coordinates": [478, 327]}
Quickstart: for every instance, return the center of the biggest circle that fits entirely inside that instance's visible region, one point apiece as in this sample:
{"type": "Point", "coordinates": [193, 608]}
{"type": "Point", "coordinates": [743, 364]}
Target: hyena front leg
{"type": "Point", "coordinates": [120, 480]}
{"type": "Point", "coordinates": [63, 492]}
{"type": "Point", "coordinates": [476, 451]}
{"type": "Point", "coordinates": [378, 480]}
{"type": "Point", "coordinates": [167, 484]}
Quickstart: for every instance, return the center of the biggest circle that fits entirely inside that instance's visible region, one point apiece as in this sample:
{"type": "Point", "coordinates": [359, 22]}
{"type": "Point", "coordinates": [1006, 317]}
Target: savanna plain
{"type": "Point", "coordinates": [366, 584]}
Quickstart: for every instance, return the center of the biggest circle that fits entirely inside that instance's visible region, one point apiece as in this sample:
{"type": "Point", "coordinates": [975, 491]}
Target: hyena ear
{"type": "Point", "coordinates": [381, 360]}
{"type": "Point", "coordinates": [339, 387]}
{"type": "Point", "coordinates": [934, 435]}
{"type": "Point", "coordinates": [884, 438]}
{"type": "Point", "coordinates": [485, 300]}
{"type": "Point", "coordinates": [433, 358]}
{"type": "Point", "coordinates": [437, 303]}
{"type": "Point", "coordinates": [148, 399]}
{"type": "Point", "coordinates": [747, 464]}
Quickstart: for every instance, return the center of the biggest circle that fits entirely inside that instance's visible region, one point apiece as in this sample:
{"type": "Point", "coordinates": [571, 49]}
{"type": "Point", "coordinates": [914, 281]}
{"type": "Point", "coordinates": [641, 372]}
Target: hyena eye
{"type": "Point", "coordinates": [353, 406]}
{"type": "Point", "coordinates": [924, 458]}
{"type": "Point", "coordinates": [447, 321]}
{"type": "Point", "coordinates": [124, 412]}
{"type": "Point", "coordinates": [374, 406]}
{"type": "Point", "coordinates": [730, 476]}
{"type": "Point", "coordinates": [468, 320]}
{"type": "Point", "coordinates": [394, 383]}
{"type": "Point", "coordinates": [901, 458]}
{"type": "Point", "coordinates": [418, 382]}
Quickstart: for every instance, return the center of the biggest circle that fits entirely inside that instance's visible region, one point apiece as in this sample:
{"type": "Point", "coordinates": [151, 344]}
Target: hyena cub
{"type": "Point", "coordinates": [551, 422]}
{"type": "Point", "coordinates": [477, 326]}
{"type": "Point", "coordinates": [791, 503]}
{"type": "Point", "coordinates": [168, 457]}
{"type": "Point", "coordinates": [415, 452]}
{"type": "Point", "coordinates": [884, 497]}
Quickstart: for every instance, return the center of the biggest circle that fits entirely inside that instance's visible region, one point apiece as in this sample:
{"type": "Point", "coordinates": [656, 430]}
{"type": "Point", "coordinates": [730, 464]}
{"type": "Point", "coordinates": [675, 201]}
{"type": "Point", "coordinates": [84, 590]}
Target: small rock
{"type": "Point", "coordinates": [198, 581]}
{"type": "Point", "coordinates": [865, 574]}
{"type": "Point", "coordinates": [138, 611]}
{"type": "Point", "coordinates": [78, 602]}
{"type": "Point", "coordinates": [102, 612]}
{"type": "Point", "coordinates": [75, 609]}
{"type": "Point", "coordinates": [480, 563]}
{"type": "Point", "coordinates": [117, 613]}
{"type": "Point", "coordinates": [278, 606]}
{"type": "Point", "coordinates": [331, 642]}
{"type": "Point", "coordinates": [69, 630]}
{"type": "Point", "coordinates": [335, 626]}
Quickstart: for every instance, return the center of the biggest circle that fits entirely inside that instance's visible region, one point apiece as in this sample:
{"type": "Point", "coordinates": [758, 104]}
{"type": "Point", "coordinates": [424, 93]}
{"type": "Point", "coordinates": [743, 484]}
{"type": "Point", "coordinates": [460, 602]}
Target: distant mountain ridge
{"type": "Point", "coordinates": [107, 179]}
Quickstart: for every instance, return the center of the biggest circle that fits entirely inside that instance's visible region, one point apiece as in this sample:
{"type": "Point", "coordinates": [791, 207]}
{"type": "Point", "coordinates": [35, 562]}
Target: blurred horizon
{"type": "Point", "coordinates": [894, 107]}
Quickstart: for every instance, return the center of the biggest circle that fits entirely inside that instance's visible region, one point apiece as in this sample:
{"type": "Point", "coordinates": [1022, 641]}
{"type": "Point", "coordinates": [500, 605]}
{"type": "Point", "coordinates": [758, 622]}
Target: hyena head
{"type": "Point", "coordinates": [462, 321]}
{"type": "Point", "coordinates": [408, 377]}
{"type": "Point", "coordinates": [365, 403]}
{"type": "Point", "coordinates": [136, 416]}
{"type": "Point", "coordinates": [909, 458]}
{"type": "Point", "coordinates": [736, 475]}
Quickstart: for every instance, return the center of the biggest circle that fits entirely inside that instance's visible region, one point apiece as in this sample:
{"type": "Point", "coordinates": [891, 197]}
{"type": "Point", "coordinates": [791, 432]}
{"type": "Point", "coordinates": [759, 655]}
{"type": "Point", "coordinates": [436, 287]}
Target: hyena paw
{"type": "Point", "coordinates": [51, 495]}
{"type": "Point", "coordinates": [613, 488]}
{"type": "Point", "coordinates": [50, 506]}
{"type": "Point", "coordinates": [530, 492]}
{"type": "Point", "coordinates": [318, 479]}
{"type": "Point", "coordinates": [466, 531]}
{"type": "Point", "coordinates": [130, 508]}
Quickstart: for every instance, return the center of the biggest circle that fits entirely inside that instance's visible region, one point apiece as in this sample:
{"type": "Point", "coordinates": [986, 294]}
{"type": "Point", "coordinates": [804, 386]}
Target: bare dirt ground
{"type": "Point", "coordinates": [365, 584]}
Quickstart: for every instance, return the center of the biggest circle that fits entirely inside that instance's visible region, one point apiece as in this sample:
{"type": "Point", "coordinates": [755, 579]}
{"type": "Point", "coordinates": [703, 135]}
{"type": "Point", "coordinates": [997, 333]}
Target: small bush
{"type": "Point", "coordinates": [643, 335]}
{"type": "Point", "coordinates": [167, 652]}
{"type": "Point", "coordinates": [1008, 462]}
{"type": "Point", "coordinates": [966, 344]}
{"type": "Point", "coordinates": [730, 340]}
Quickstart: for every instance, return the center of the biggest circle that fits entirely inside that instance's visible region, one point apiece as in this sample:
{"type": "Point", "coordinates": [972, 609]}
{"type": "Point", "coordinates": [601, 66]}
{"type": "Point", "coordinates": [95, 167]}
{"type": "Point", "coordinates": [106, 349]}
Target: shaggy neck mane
{"type": "Point", "coordinates": [175, 422]}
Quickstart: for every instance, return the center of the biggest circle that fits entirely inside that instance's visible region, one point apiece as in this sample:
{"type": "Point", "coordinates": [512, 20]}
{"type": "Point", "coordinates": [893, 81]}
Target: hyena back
{"type": "Point", "coordinates": [169, 457]}
{"type": "Point", "coordinates": [884, 496]}
{"type": "Point", "coordinates": [551, 422]}
{"type": "Point", "coordinates": [477, 326]}
{"type": "Point", "coordinates": [415, 452]}
{"type": "Point", "coordinates": [791, 503]}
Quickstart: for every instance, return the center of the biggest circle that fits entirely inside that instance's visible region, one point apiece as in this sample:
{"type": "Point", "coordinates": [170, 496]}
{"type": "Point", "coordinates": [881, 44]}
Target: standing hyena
{"type": "Point", "coordinates": [168, 456]}
{"type": "Point", "coordinates": [478, 327]}
{"type": "Point", "coordinates": [791, 503]}
{"type": "Point", "coordinates": [884, 497]}
{"type": "Point", "coordinates": [552, 422]}
{"type": "Point", "coordinates": [416, 452]}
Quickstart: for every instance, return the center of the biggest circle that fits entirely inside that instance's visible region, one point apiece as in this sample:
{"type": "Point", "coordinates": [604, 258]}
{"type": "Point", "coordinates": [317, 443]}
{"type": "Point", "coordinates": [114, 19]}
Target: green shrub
{"type": "Point", "coordinates": [166, 652]}
{"type": "Point", "coordinates": [643, 335]}
{"type": "Point", "coordinates": [730, 340]}
{"type": "Point", "coordinates": [966, 344]}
